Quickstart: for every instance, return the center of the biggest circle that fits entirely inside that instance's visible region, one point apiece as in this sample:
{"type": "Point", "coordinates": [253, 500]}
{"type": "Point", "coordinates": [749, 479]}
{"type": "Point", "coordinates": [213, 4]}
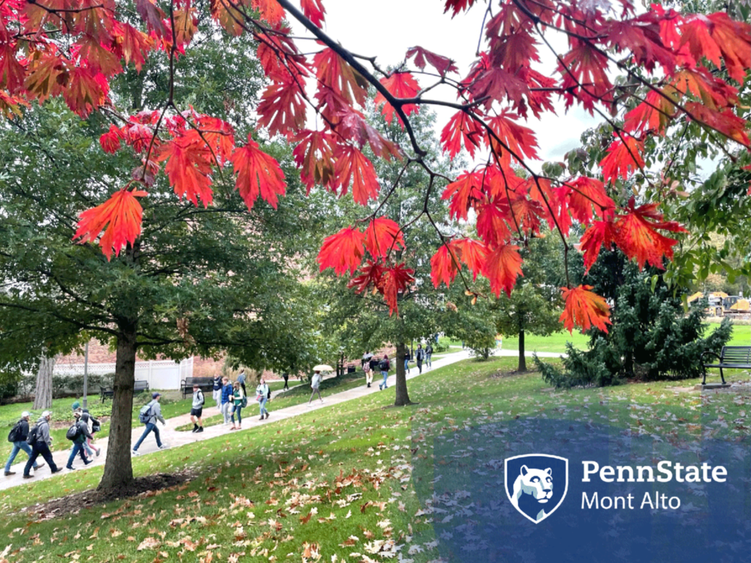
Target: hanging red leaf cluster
{"type": "Point", "coordinates": [689, 66]}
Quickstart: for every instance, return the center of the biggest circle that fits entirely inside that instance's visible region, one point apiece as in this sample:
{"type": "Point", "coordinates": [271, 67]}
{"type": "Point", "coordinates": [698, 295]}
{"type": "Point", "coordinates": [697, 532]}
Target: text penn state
{"type": "Point", "coordinates": [663, 473]}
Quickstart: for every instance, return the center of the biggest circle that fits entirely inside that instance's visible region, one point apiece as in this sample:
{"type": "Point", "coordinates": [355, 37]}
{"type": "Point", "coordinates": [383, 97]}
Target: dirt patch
{"type": "Point", "coordinates": [151, 485]}
{"type": "Point", "coordinates": [503, 374]}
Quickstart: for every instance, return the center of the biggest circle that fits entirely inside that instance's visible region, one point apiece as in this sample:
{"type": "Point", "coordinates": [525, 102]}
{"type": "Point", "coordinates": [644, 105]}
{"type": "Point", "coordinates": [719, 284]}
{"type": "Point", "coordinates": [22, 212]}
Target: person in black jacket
{"type": "Point", "coordinates": [79, 441]}
{"type": "Point", "coordinates": [19, 434]}
{"type": "Point", "coordinates": [40, 445]}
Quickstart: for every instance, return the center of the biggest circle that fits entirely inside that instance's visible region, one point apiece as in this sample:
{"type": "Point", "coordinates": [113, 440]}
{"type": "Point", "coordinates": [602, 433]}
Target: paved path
{"type": "Point", "coordinates": [175, 439]}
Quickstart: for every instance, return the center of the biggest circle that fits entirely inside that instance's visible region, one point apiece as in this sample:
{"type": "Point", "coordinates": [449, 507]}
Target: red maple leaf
{"type": "Point", "coordinates": [473, 253]}
{"type": "Point", "coordinates": [598, 234]}
{"type": "Point", "coordinates": [313, 10]}
{"type": "Point", "coordinates": [270, 11]}
{"type": "Point", "coordinates": [396, 279]}
{"type": "Point", "coordinates": [314, 155]}
{"type": "Point", "coordinates": [188, 167]}
{"type": "Point", "coordinates": [584, 309]}
{"type": "Point", "coordinates": [586, 193]}
{"type": "Point", "coordinates": [519, 139]}
{"type": "Point", "coordinates": [342, 251]}
{"type": "Point", "coordinates": [461, 128]}
{"type": "Point", "coordinates": [623, 159]}
{"type": "Point", "coordinates": [120, 218]}
{"type": "Point", "coordinates": [282, 107]}
{"type": "Point", "coordinates": [442, 64]}
{"type": "Point", "coordinates": [463, 193]}
{"type": "Point", "coordinates": [382, 236]}
{"type": "Point", "coordinates": [653, 113]}
{"type": "Point", "coordinates": [637, 235]}
{"type": "Point", "coordinates": [110, 140]}
{"type": "Point", "coordinates": [444, 265]}
{"type": "Point", "coordinates": [399, 85]}
{"type": "Point", "coordinates": [370, 274]}
{"type": "Point", "coordinates": [354, 167]}
{"type": "Point", "coordinates": [336, 73]}
{"type": "Point", "coordinates": [492, 221]}
{"type": "Point", "coordinates": [725, 121]}
{"type": "Point", "coordinates": [502, 267]}
{"type": "Point", "coordinates": [457, 6]}
{"type": "Point", "coordinates": [584, 77]}
{"type": "Point", "coordinates": [257, 174]}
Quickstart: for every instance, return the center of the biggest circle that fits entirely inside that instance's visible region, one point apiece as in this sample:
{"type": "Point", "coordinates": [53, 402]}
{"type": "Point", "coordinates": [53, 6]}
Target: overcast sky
{"type": "Point", "coordinates": [387, 28]}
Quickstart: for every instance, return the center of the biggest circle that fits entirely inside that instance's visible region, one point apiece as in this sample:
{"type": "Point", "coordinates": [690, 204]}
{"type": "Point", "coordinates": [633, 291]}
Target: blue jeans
{"type": "Point", "coordinates": [17, 447]}
{"type": "Point", "coordinates": [383, 385]}
{"type": "Point", "coordinates": [238, 411]}
{"type": "Point", "coordinates": [77, 449]}
{"type": "Point", "coordinates": [406, 366]}
{"type": "Point", "coordinates": [149, 427]}
{"type": "Point", "coordinates": [262, 404]}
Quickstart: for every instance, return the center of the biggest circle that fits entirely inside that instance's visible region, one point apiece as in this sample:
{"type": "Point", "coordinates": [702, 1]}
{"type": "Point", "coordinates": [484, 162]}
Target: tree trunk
{"type": "Point", "coordinates": [402, 396]}
{"type": "Point", "coordinates": [118, 470]}
{"type": "Point", "coordinates": [43, 393]}
{"type": "Point", "coordinates": [522, 358]}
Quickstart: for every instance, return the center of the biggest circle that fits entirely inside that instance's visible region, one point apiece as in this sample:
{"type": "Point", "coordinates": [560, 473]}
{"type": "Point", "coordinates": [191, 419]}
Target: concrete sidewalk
{"type": "Point", "coordinates": [174, 439]}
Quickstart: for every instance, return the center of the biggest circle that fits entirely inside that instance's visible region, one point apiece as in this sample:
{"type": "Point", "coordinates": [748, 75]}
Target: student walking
{"type": "Point", "coordinates": [366, 368]}
{"type": "Point", "coordinates": [262, 395]}
{"type": "Point", "coordinates": [40, 441]}
{"type": "Point", "coordinates": [429, 355]}
{"type": "Point", "coordinates": [384, 366]}
{"type": "Point", "coordinates": [406, 361]}
{"type": "Point", "coordinates": [149, 415]}
{"type": "Point", "coordinates": [315, 385]}
{"type": "Point", "coordinates": [78, 433]}
{"type": "Point", "coordinates": [285, 375]}
{"type": "Point", "coordinates": [373, 368]}
{"type": "Point", "coordinates": [226, 399]}
{"type": "Point", "coordinates": [240, 402]}
{"type": "Point", "coordinates": [93, 426]}
{"type": "Point", "coordinates": [217, 391]}
{"type": "Point", "coordinates": [196, 408]}
{"type": "Point", "coordinates": [241, 380]}
{"type": "Point", "coordinates": [17, 436]}
{"type": "Point", "coordinates": [419, 356]}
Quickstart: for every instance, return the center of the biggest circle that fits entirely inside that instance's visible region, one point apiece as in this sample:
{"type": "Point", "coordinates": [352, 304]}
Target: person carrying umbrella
{"type": "Point", "coordinates": [315, 383]}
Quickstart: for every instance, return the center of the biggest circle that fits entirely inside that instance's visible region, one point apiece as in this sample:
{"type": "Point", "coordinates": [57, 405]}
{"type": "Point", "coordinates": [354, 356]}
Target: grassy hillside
{"type": "Point", "coordinates": [331, 482]}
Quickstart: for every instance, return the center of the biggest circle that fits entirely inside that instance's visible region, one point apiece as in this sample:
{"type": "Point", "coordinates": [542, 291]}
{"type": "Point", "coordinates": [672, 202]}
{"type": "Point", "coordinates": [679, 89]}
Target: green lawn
{"type": "Point", "coordinates": [334, 481]}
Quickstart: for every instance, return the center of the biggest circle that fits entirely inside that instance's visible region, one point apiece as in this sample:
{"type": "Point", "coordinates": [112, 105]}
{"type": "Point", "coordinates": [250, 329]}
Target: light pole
{"type": "Point", "coordinates": [85, 373]}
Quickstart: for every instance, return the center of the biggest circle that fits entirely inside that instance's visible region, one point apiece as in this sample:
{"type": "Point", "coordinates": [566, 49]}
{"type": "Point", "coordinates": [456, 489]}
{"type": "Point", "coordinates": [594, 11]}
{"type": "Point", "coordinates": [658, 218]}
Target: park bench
{"type": "Point", "coordinates": [204, 383]}
{"type": "Point", "coordinates": [139, 386]}
{"type": "Point", "coordinates": [731, 357]}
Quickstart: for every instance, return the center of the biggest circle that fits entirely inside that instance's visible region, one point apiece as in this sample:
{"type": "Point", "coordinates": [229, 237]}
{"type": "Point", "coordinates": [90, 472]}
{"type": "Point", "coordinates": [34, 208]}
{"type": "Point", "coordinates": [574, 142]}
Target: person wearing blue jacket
{"type": "Point", "coordinates": [227, 399]}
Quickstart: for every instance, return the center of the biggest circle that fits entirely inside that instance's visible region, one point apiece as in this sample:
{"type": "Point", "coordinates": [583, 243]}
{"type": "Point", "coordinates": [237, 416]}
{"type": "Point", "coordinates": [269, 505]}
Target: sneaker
{"type": "Point", "coordinates": [134, 453]}
{"type": "Point", "coordinates": [30, 476]}
{"type": "Point", "coordinates": [195, 429]}
{"type": "Point", "coordinates": [88, 462]}
{"type": "Point", "coordinates": [200, 429]}
{"type": "Point", "coordinates": [164, 447]}
{"type": "Point", "coordinates": [69, 468]}
{"type": "Point", "coordinates": [7, 473]}
{"type": "Point", "coordinates": [99, 451]}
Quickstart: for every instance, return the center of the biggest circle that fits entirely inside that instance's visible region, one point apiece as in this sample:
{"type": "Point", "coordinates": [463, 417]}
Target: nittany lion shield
{"type": "Point", "coordinates": [536, 484]}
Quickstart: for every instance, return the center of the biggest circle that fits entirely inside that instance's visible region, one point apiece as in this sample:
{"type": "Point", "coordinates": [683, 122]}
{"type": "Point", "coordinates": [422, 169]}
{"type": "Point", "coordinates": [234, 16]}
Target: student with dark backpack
{"type": "Point", "coordinates": [384, 366]}
{"type": "Point", "coordinates": [196, 410]}
{"type": "Point", "coordinates": [17, 436]}
{"type": "Point", "coordinates": [78, 433]}
{"type": "Point", "coordinates": [40, 440]}
{"type": "Point", "coordinates": [148, 415]}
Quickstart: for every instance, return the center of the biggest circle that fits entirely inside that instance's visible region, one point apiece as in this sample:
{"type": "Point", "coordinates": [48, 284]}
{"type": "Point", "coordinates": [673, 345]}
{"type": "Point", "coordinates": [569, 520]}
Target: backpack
{"type": "Point", "coordinates": [31, 439]}
{"type": "Point", "coordinates": [96, 426]}
{"type": "Point", "coordinates": [244, 402]}
{"type": "Point", "coordinates": [203, 399]}
{"type": "Point", "coordinates": [73, 432]}
{"type": "Point", "coordinates": [144, 414]}
{"type": "Point", "coordinates": [384, 365]}
{"type": "Point", "coordinates": [15, 433]}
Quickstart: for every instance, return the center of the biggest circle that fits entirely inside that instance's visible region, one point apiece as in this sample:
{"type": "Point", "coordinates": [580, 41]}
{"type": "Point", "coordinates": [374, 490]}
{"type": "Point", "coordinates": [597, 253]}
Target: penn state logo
{"type": "Point", "coordinates": [536, 484]}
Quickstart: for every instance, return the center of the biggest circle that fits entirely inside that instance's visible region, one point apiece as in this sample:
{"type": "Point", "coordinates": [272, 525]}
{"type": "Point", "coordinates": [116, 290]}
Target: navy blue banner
{"type": "Point", "coordinates": [556, 490]}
